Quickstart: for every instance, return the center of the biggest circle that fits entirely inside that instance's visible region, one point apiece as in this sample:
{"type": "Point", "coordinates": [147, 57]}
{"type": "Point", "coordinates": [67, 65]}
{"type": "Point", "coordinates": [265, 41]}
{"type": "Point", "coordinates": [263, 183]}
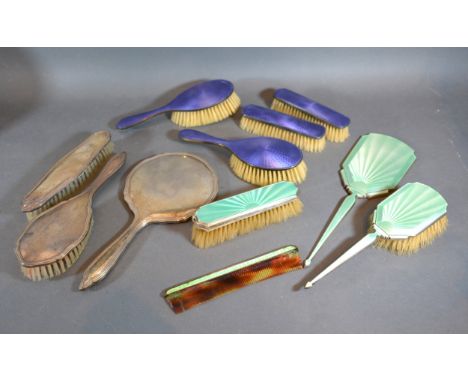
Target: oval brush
{"type": "Point", "coordinates": [201, 104]}
{"type": "Point", "coordinates": [258, 160]}
{"type": "Point", "coordinates": [69, 175]}
{"type": "Point", "coordinates": [289, 102]}
{"type": "Point", "coordinates": [406, 221]}
{"type": "Point", "coordinates": [53, 241]}
{"type": "Point", "coordinates": [263, 121]}
{"type": "Point", "coordinates": [237, 215]}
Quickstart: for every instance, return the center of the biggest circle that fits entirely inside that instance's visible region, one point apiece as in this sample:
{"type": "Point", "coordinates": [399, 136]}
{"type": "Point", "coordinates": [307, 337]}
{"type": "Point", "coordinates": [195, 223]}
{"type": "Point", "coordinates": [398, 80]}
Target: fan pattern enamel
{"type": "Point", "coordinates": [376, 164]}
{"type": "Point", "coordinates": [245, 201]}
{"type": "Point", "coordinates": [409, 211]}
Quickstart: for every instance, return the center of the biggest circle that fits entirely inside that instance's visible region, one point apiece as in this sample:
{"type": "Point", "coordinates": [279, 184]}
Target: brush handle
{"type": "Point", "coordinates": [190, 135]}
{"type": "Point", "coordinates": [345, 206]}
{"type": "Point", "coordinates": [136, 119]}
{"type": "Point", "coordinates": [110, 168]}
{"type": "Point", "coordinates": [354, 250]}
{"type": "Point", "coordinates": [108, 257]}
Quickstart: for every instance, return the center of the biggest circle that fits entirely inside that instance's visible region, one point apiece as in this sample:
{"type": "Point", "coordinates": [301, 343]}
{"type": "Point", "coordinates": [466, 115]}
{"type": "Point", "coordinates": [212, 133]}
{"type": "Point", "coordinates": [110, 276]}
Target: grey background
{"type": "Point", "coordinates": [50, 99]}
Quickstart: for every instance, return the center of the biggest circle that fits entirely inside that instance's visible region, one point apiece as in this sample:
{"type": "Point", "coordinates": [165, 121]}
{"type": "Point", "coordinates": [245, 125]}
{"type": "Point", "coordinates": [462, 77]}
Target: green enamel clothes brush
{"type": "Point", "coordinates": [237, 215]}
{"type": "Point", "coordinates": [406, 221]}
{"type": "Point", "coordinates": [191, 293]}
{"type": "Point", "coordinates": [374, 167]}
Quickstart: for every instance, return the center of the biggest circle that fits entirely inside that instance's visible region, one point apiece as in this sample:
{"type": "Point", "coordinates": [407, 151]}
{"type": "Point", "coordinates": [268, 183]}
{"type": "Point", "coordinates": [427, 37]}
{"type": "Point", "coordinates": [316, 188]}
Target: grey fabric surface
{"type": "Point", "coordinates": [50, 99]}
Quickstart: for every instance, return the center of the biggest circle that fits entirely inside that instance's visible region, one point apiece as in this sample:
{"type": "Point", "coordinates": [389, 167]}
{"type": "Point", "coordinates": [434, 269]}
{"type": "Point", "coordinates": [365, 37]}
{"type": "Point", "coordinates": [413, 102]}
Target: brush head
{"type": "Point", "coordinates": [237, 215]}
{"type": "Point", "coordinates": [213, 114]}
{"type": "Point", "coordinates": [413, 244]}
{"type": "Point", "coordinates": [261, 177]}
{"type": "Point", "coordinates": [52, 242]}
{"type": "Point", "coordinates": [262, 121]}
{"type": "Point", "coordinates": [410, 219]}
{"type": "Point", "coordinates": [56, 268]}
{"type": "Point", "coordinates": [70, 175]}
{"type": "Point", "coordinates": [289, 102]}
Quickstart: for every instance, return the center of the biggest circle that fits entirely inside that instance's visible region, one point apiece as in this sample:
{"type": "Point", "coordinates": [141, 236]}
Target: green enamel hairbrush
{"type": "Point", "coordinates": [374, 167]}
{"type": "Point", "coordinates": [406, 221]}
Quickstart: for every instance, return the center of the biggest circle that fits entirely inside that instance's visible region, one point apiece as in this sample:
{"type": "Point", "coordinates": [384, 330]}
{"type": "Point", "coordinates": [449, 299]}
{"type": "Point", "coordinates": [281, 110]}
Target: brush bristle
{"type": "Point", "coordinates": [75, 187]}
{"type": "Point", "coordinates": [333, 133]}
{"type": "Point", "coordinates": [206, 239]}
{"type": "Point", "coordinates": [209, 115]}
{"type": "Point", "coordinates": [261, 177]}
{"type": "Point", "coordinates": [261, 128]}
{"type": "Point", "coordinates": [413, 244]}
{"type": "Point", "coordinates": [58, 267]}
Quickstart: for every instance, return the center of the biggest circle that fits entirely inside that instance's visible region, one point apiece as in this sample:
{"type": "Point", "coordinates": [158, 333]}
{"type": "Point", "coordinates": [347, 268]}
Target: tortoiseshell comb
{"type": "Point", "coordinates": [70, 175]}
{"type": "Point", "coordinates": [194, 292]}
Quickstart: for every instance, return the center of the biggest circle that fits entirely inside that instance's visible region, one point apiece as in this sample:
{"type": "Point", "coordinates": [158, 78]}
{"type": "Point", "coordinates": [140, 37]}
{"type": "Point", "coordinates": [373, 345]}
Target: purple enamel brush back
{"type": "Point", "coordinates": [314, 108]}
{"type": "Point", "coordinates": [284, 121]}
{"type": "Point", "coordinates": [266, 153]}
{"type": "Point", "coordinates": [202, 96]}
{"type": "Point", "coordinates": [262, 152]}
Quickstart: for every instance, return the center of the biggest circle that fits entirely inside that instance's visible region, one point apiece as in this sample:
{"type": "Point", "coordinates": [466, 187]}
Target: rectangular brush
{"type": "Point", "coordinates": [202, 289]}
{"type": "Point", "coordinates": [289, 102]}
{"type": "Point", "coordinates": [237, 215]}
{"type": "Point", "coordinates": [70, 175]}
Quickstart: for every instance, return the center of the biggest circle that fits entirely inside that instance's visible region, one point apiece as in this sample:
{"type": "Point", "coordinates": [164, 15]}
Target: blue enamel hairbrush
{"type": "Point", "coordinates": [257, 160]}
{"type": "Point", "coordinates": [202, 104]}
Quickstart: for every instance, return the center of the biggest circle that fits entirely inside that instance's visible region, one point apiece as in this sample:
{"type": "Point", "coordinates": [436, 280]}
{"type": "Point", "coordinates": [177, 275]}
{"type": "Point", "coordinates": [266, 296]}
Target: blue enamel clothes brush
{"type": "Point", "coordinates": [258, 160]}
{"type": "Point", "coordinates": [202, 104]}
{"type": "Point", "coordinates": [289, 102]}
{"type": "Point", "coordinates": [306, 135]}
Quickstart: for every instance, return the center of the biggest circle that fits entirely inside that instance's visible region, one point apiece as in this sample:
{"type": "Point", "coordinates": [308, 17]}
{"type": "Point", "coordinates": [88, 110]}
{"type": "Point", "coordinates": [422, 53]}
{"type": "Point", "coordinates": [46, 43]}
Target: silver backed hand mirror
{"type": "Point", "coordinates": [165, 188]}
